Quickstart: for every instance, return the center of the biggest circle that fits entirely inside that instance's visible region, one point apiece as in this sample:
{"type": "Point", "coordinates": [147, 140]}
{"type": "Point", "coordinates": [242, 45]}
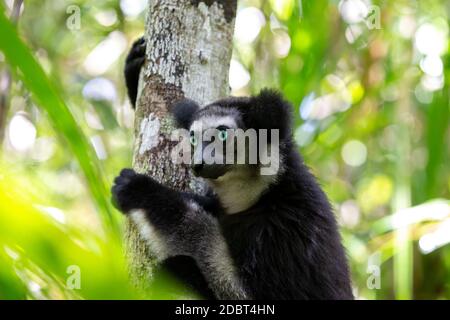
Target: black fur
{"type": "Point", "coordinates": [183, 112]}
{"type": "Point", "coordinates": [267, 110]}
{"type": "Point", "coordinates": [186, 235]}
{"type": "Point", "coordinates": [286, 246]}
{"type": "Point", "coordinates": [133, 64]}
{"type": "Point", "coordinates": [138, 191]}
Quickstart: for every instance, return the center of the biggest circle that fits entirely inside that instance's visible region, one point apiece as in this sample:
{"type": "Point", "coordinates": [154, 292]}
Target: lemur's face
{"type": "Point", "coordinates": [235, 135]}
{"type": "Point", "coordinates": [212, 138]}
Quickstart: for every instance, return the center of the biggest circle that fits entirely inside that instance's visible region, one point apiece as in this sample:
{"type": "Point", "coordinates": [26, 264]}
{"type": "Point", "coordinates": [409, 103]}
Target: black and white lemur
{"type": "Point", "coordinates": [252, 236]}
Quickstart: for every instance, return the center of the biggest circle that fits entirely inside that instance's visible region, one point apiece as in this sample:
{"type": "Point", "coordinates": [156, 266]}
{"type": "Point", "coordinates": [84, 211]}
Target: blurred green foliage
{"type": "Point", "coordinates": [369, 82]}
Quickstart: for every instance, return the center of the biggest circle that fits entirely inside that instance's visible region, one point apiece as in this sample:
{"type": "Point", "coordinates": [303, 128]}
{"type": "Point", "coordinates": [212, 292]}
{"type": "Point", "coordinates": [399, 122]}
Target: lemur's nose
{"type": "Point", "coordinates": [197, 168]}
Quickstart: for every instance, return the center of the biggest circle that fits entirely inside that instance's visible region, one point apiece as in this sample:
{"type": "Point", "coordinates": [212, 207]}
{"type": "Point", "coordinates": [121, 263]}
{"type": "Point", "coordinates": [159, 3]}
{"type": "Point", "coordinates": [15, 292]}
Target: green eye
{"type": "Point", "coordinates": [193, 140]}
{"type": "Point", "coordinates": [223, 135]}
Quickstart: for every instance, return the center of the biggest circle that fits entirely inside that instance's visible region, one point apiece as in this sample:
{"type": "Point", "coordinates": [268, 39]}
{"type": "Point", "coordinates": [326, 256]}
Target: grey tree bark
{"type": "Point", "coordinates": [189, 46]}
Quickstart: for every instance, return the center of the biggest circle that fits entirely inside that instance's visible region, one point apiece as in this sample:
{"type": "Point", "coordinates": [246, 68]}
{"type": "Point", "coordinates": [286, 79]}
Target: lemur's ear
{"type": "Point", "coordinates": [183, 112]}
{"type": "Point", "coordinates": [268, 110]}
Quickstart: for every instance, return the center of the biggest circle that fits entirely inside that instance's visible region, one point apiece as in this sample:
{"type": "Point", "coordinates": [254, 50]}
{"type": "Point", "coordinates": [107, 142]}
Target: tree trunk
{"type": "Point", "coordinates": [189, 45]}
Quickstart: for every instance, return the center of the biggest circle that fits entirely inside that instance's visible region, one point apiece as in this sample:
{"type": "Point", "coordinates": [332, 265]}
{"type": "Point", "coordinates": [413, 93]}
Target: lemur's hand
{"type": "Point", "coordinates": [133, 64]}
{"type": "Point", "coordinates": [132, 190]}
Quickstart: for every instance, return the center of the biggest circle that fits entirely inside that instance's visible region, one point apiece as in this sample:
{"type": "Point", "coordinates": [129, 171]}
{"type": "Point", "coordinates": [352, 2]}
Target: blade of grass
{"type": "Point", "coordinates": [403, 249]}
{"type": "Point", "coordinates": [25, 66]}
{"type": "Point", "coordinates": [437, 123]}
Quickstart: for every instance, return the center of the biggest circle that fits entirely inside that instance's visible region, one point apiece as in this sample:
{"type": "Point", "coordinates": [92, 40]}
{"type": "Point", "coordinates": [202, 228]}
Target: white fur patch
{"type": "Point", "coordinates": [239, 189]}
{"type": "Point", "coordinates": [208, 122]}
{"type": "Point", "coordinates": [221, 272]}
{"type": "Point", "coordinates": [149, 234]}
{"type": "Point", "coordinates": [215, 261]}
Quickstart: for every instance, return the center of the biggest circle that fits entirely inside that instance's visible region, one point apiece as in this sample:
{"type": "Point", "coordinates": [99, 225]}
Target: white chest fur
{"type": "Point", "coordinates": [239, 189]}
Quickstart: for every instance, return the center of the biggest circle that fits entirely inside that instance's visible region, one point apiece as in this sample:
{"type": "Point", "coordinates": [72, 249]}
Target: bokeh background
{"type": "Point", "coordinates": [369, 83]}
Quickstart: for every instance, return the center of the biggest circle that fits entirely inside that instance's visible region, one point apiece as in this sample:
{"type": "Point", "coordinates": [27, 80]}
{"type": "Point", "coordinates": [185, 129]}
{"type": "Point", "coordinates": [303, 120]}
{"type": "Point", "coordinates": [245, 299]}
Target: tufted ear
{"type": "Point", "coordinates": [268, 110]}
{"type": "Point", "coordinates": [183, 112]}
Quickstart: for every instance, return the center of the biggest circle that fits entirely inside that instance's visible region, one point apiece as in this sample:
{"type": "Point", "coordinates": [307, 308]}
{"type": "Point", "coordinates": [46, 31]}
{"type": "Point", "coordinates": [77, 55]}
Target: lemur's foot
{"type": "Point", "coordinates": [137, 52]}
{"type": "Point", "coordinates": [131, 190]}
{"type": "Point", "coordinates": [133, 65]}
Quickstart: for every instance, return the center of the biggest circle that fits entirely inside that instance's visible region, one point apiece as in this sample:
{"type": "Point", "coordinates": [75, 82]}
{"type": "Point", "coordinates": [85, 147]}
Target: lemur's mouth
{"type": "Point", "coordinates": [209, 171]}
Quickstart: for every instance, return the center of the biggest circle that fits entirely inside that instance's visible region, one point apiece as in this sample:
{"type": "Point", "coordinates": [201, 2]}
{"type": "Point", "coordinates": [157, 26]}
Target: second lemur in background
{"type": "Point", "coordinates": [254, 236]}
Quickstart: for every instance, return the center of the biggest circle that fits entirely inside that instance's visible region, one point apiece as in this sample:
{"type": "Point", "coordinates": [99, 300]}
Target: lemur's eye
{"type": "Point", "coordinates": [223, 135]}
{"type": "Point", "coordinates": [193, 140]}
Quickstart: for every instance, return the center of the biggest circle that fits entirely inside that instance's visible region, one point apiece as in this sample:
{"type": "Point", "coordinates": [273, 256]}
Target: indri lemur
{"type": "Point", "coordinates": [253, 236]}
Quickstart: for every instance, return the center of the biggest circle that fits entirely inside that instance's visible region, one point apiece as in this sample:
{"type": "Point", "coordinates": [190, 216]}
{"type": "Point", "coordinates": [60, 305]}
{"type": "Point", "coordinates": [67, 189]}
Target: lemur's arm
{"type": "Point", "coordinates": [133, 64]}
{"type": "Point", "coordinates": [174, 223]}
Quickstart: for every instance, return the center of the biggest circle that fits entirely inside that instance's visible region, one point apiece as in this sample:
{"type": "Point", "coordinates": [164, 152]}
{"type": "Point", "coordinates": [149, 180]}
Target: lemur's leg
{"type": "Point", "coordinates": [133, 64]}
{"type": "Point", "coordinates": [182, 227]}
